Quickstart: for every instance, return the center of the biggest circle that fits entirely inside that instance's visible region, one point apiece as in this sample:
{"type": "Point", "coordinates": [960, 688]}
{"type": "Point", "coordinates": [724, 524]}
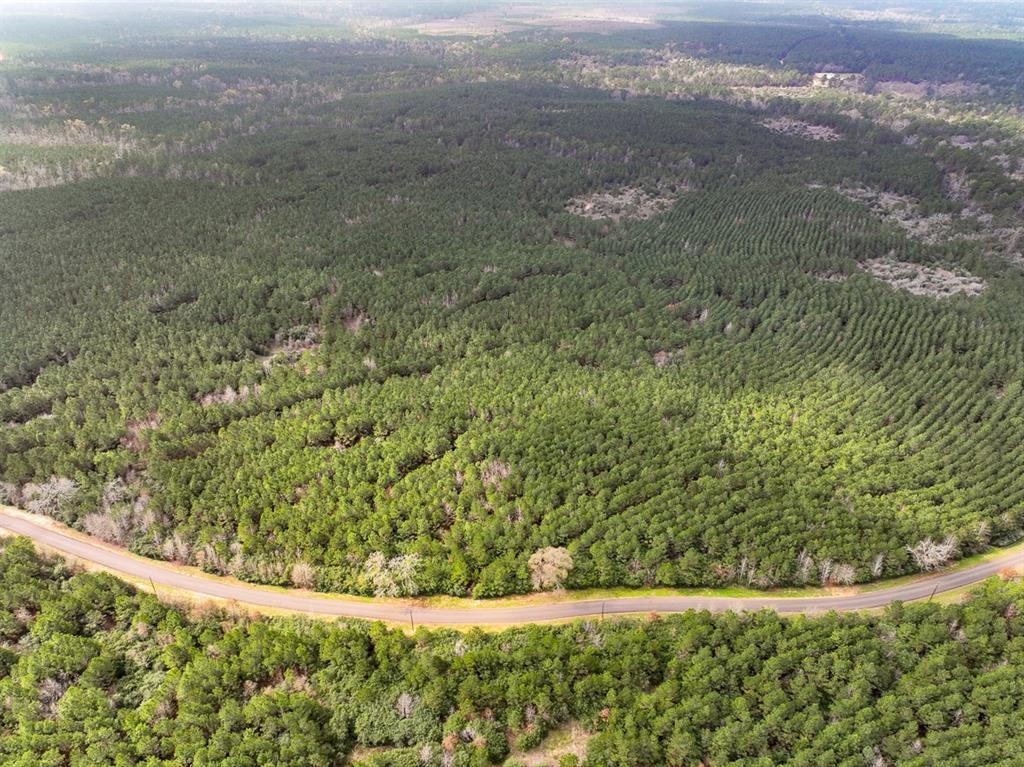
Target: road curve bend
{"type": "Point", "coordinates": [120, 562]}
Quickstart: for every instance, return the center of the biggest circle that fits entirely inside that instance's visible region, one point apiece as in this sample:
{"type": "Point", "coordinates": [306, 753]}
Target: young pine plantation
{"type": "Point", "coordinates": [429, 299]}
{"type": "Point", "coordinates": [418, 315]}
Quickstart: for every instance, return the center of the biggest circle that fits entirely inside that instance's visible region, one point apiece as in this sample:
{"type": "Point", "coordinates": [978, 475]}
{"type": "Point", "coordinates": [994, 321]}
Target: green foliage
{"type": "Point", "coordinates": [308, 302]}
{"type": "Point", "coordinates": [322, 317]}
{"type": "Point", "coordinates": [137, 682]}
{"type": "Point", "coordinates": [817, 44]}
{"type": "Point", "coordinates": [376, 403]}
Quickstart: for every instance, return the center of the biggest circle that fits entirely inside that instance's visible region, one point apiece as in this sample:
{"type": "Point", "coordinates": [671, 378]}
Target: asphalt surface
{"type": "Point", "coordinates": [248, 595]}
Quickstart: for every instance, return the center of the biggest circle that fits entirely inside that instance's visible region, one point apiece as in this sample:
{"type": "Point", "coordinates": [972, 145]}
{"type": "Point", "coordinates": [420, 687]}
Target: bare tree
{"type": "Point", "coordinates": [984, 533]}
{"type": "Point", "coordinates": [121, 514]}
{"type": "Point", "coordinates": [177, 549]}
{"type": "Point", "coordinates": [931, 555]}
{"type": "Point", "coordinates": [52, 498]}
{"type": "Point", "coordinates": [844, 574]}
{"type": "Point", "coordinates": [102, 526]}
{"type": "Point", "coordinates": [50, 692]}
{"type": "Point", "coordinates": [303, 575]}
{"type": "Point", "coordinates": [745, 568]}
{"type": "Point", "coordinates": [9, 494]}
{"type": "Point", "coordinates": [237, 563]}
{"type": "Point", "coordinates": [549, 567]}
{"type": "Point", "coordinates": [592, 634]}
{"type": "Point", "coordinates": [405, 704]}
{"type": "Point", "coordinates": [825, 571]}
{"type": "Point", "coordinates": [804, 566]}
{"type": "Point", "coordinates": [114, 492]}
{"type": "Point", "coordinates": [495, 472]}
{"type": "Point", "coordinates": [392, 577]}
{"type": "Point", "coordinates": [404, 569]}
{"type": "Point", "coordinates": [877, 565]}
{"type": "Point", "coordinates": [269, 572]}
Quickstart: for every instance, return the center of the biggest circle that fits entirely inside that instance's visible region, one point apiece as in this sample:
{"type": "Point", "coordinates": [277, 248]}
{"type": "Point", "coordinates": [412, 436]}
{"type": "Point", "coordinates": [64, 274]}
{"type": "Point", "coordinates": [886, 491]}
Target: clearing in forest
{"type": "Point", "coordinates": [790, 127]}
{"type": "Point", "coordinates": [569, 739]}
{"type": "Point", "coordinates": [902, 211]}
{"type": "Point", "coordinates": [923, 280]}
{"type": "Point", "coordinates": [630, 203]}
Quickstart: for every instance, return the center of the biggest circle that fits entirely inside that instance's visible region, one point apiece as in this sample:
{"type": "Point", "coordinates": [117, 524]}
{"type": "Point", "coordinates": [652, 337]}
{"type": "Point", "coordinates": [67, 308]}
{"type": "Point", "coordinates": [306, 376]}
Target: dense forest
{"type": "Point", "coordinates": [94, 673]}
{"type": "Point", "coordinates": [407, 314]}
{"type": "Point", "coordinates": [432, 297]}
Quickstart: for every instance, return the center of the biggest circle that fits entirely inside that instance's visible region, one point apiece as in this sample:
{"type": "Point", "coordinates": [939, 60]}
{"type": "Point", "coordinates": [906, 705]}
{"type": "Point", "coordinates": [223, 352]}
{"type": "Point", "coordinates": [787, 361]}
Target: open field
{"type": "Point", "coordinates": [517, 17]}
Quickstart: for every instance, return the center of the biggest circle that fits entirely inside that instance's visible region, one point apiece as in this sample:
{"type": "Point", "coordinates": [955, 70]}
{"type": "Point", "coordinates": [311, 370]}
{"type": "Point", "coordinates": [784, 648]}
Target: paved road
{"type": "Point", "coordinates": [254, 596]}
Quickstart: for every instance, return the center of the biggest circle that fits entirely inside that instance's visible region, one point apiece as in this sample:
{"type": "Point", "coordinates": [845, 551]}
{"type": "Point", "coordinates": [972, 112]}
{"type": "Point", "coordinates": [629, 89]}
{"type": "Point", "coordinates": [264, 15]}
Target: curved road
{"type": "Point", "coordinates": [121, 562]}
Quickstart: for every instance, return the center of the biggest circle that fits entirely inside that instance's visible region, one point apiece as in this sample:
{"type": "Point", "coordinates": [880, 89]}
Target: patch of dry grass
{"type": "Point", "coordinates": [570, 738]}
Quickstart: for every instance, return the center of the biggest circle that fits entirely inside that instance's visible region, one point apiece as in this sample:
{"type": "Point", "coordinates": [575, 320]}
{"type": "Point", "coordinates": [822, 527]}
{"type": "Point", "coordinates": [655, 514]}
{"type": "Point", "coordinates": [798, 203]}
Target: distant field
{"type": "Point", "coordinates": [515, 18]}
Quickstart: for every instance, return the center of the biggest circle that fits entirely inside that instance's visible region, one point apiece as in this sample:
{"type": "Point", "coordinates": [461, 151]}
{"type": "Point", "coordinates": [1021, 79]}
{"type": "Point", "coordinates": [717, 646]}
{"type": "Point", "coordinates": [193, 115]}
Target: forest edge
{"type": "Point", "coordinates": [189, 583]}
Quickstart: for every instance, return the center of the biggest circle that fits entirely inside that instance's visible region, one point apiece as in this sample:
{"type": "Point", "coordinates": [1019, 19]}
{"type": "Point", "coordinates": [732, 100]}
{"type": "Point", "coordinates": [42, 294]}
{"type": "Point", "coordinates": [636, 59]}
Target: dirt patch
{"type": "Point", "coordinates": [627, 203]}
{"type": "Point", "coordinates": [921, 280]}
{"type": "Point", "coordinates": [568, 739]}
